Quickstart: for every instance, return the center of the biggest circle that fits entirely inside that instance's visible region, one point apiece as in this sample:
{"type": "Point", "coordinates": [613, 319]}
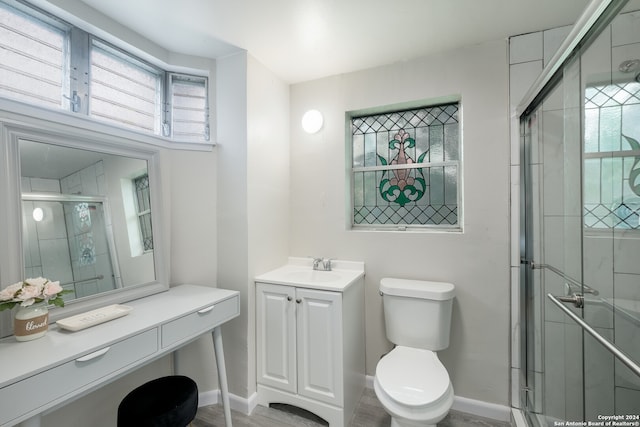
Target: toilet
{"type": "Point", "coordinates": [410, 381]}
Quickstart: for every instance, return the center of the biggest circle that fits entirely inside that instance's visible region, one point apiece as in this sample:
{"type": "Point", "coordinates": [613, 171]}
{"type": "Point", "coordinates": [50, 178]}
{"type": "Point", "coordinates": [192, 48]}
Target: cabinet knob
{"type": "Point", "coordinates": [298, 300]}
{"type": "Point", "coordinates": [288, 298]}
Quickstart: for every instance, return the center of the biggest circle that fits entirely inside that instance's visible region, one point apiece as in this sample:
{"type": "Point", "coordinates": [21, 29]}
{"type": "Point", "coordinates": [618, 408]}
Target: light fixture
{"type": "Point", "coordinates": [312, 121]}
{"type": "Point", "coordinates": [38, 214]}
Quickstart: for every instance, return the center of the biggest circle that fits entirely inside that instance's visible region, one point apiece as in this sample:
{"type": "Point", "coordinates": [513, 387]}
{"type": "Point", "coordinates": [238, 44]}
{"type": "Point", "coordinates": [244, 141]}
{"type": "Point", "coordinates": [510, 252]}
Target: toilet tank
{"type": "Point", "coordinates": [417, 313]}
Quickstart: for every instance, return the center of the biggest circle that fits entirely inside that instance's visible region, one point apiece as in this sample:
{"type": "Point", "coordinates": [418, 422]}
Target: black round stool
{"type": "Point", "coordinates": [164, 402]}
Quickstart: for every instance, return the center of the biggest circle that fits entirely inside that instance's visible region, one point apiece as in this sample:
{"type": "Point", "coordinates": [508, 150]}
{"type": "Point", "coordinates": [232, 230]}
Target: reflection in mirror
{"type": "Point", "coordinates": [67, 238]}
{"type": "Point", "coordinates": [86, 218]}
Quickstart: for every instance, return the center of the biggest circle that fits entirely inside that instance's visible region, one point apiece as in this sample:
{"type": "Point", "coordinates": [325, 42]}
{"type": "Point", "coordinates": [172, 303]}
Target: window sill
{"type": "Point", "coordinates": [18, 112]}
{"type": "Point", "coordinates": [406, 230]}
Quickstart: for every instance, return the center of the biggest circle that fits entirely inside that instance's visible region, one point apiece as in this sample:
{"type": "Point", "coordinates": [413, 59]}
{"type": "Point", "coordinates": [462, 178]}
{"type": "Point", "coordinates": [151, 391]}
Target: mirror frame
{"type": "Point", "coordinates": [11, 251]}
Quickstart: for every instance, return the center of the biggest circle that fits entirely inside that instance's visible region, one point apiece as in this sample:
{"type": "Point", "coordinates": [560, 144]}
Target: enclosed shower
{"type": "Point", "coordinates": [580, 227]}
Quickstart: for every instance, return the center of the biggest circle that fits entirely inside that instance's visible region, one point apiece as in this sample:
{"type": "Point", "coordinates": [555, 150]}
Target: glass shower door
{"type": "Point", "coordinates": [581, 175]}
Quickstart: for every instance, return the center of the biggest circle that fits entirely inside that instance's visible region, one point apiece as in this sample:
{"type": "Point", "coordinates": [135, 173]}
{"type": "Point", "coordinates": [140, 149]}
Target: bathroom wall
{"type": "Point", "coordinates": [253, 197]}
{"type": "Point", "coordinates": [476, 260]}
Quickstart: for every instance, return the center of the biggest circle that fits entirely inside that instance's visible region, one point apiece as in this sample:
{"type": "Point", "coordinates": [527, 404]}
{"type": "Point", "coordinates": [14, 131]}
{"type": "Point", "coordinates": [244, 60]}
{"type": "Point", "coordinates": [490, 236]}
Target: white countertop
{"type": "Point", "coordinates": [299, 272]}
{"type": "Point", "coordinates": [22, 359]}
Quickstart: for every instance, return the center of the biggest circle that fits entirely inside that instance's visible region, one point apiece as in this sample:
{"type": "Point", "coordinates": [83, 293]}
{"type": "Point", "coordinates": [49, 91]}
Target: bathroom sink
{"type": "Point", "coordinates": [300, 272]}
{"type": "Point", "coordinates": [312, 276]}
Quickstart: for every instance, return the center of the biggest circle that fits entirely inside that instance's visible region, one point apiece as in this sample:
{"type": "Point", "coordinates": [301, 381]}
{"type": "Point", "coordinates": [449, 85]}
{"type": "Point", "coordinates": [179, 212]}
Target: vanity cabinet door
{"type": "Point", "coordinates": [319, 340]}
{"type": "Point", "coordinates": [276, 336]}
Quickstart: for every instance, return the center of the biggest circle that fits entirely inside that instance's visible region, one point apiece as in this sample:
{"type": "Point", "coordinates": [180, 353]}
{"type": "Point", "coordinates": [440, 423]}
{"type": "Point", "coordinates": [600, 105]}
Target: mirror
{"type": "Point", "coordinates": [86, 218]}
{"type": "Point", "coordinates": [84, 206]}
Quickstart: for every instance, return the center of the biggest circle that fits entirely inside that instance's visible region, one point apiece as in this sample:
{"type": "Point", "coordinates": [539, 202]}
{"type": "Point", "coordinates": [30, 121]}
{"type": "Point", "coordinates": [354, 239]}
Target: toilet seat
{"type": "Point", "coordinates": [412, 383]}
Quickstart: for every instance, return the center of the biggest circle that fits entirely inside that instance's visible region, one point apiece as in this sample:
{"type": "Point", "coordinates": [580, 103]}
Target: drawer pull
{"type": "Point", "coordinates": [206, 310]}
{"type": "Point", "coordinates": [93, 355]}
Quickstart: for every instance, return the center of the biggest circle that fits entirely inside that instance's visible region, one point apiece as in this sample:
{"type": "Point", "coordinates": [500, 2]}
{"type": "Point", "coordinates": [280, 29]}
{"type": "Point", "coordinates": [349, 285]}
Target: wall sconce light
{"type": "Point", "coordinates": [38, 214]}
{"type": "Point", "coordinates": [312, 121]}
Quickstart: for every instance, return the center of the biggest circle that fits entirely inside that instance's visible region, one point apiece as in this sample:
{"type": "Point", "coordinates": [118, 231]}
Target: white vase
{"type": "Point", "coordinates": [31, 322]}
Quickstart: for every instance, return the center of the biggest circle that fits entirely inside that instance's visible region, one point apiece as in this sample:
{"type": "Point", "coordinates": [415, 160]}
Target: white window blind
{"type": "Point", "coordinates": [48, 62]}
{"type": "Point", "coordinates": [33, 60]}
{"type": "Point", "coordinates": [189, 107]}
{"type": "Point", "coordinates": [123, 90]}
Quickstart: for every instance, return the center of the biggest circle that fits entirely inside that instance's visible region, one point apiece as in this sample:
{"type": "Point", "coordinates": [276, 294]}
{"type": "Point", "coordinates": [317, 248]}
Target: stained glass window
{"type": "Point", "coordinates": [144, 210]}
{"type": "Point", "coordinates": [406, 168]}
{"type": "Point", "coordinates": [612, 156]}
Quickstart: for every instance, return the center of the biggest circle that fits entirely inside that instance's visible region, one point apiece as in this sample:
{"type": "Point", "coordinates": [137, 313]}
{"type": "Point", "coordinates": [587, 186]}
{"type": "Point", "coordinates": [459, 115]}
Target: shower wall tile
{"type": "Point", "coordinates": [627, 337]}
{"type": "Point", "coordinates": [521, 77]}
{"type": "Point", "coordinates": [573, 365]}
{"type": "Point", "coordinates": [525, 48]}
{"type": "Point", "coordinates": [625, 29]}
{"type": "Point", "coordinates": [626, 401]}
{"type": "Point", "coordinates": [554, 382]}
{"type": "Point", "coordinates": [55, 259]}
{"type": "Point", "coordinates": [626, 286]}
{"type": "Point", "coordinates": [555, 99]}
{"type": "Point", "coordinates": [598, 381]}
{"type": "Point", "coordinates": [89, 180]}
{"type": "Point", "coordinates": [624, 255]}
{"type": "Point", "coordinates": [49, 227]}
{"type": "Point", "coordinates": [553, 163]}
{"type": "Point", "coordinates": [598, 313]}
{"type": "Point", "coordinates": [43, 185]}
{"type": "Point", "coordinates": [552, 39]}
{"type": "Point", "coordinates": [554, 285]}
{"type": "Point", "coordinates": [620, 54]}
{"type": "Point", "coordinates": [625, 378]}
{"type": "Point", "coordinates": [596, 61]}
{"type": "Point", "coordinates": [598, 263]}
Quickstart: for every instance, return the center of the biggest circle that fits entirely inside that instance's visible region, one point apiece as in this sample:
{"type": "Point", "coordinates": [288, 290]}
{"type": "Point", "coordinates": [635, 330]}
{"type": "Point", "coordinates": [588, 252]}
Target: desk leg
{"type": "Point", "coordinates": [222, 374]}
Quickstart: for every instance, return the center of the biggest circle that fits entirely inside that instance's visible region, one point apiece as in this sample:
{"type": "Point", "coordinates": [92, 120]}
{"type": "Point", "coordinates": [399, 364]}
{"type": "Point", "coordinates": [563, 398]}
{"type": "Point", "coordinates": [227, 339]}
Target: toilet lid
{"type": "Point", "coordinates": [413, 377]}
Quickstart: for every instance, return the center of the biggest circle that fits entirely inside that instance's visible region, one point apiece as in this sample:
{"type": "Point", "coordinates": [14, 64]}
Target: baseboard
{"type": "Point", "coordinates": [462, 404]}
{"type": "Point", "coordinates": [474, 407]}
{"type": "Point", "coordinates": [237, 403]}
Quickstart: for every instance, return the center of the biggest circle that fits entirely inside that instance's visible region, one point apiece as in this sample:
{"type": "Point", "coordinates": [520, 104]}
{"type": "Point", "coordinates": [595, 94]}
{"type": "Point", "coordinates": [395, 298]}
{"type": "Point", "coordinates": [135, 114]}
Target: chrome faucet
{"type": "Point", "coordinates": [322, 264]}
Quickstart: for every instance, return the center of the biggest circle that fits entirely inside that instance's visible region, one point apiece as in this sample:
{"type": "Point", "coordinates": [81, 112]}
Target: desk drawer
{"type": "Point", "coordinates": [196, 323]}
{"type": "Point", "coordinates": [42, 390]}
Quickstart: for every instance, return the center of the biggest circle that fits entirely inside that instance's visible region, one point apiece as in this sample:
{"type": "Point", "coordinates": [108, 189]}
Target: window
{"type": "Point", "coordinates": [406, 168]}
{"type": "Point", "coordinates": [189, 110]}
{"type": "Point", "coordinates": [124, 90]}
{"type": "Point", "coordinates": [141, 185]}
{"type": "Point", "coordinates": [612, 156]}
{"type": "Point", "coordinates": [33, 57]}
{"type": "Point", "coordinates": [50, 63]}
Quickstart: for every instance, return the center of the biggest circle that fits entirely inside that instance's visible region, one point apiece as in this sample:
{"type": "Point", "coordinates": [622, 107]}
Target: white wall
{"type": "Point", "coordinates": [268, 188]}
{"type": "Point", "coordinates": [253, 197]}
{"type": "Point", "coordinates": [476, 261]}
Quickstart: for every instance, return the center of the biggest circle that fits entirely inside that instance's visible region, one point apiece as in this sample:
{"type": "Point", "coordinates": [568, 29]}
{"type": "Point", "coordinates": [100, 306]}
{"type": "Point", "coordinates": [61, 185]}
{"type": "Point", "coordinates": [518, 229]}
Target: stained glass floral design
{"type": "Point", "coordinates": [405, 168]}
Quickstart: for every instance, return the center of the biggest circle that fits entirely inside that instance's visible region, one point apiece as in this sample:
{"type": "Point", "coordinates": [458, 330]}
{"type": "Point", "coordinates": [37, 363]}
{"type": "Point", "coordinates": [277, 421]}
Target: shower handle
{"type": "Point", "coordinates": [576, 299]}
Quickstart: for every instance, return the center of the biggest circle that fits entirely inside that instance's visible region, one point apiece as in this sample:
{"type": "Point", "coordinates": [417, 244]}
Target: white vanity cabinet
{"type": "Point", "coordinates": [310, 344]}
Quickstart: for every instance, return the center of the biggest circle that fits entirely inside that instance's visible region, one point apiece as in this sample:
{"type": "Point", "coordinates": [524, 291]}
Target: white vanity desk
{"type": "Point", "coordinates": [43, 374]}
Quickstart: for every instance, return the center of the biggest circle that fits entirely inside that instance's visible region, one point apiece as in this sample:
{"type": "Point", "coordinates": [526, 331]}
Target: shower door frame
{"type": "Point", "coordinates": [596, 17]}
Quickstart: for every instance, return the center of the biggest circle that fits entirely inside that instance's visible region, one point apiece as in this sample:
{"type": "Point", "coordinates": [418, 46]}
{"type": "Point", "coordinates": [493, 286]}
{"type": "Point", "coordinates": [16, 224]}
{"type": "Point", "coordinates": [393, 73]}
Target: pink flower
{"type": "Point", "coordinates": [9, 292]}
{"type": "Point", "coordinates": [29, 293]}
{"type": "Point", "coordinates": [51, 289]}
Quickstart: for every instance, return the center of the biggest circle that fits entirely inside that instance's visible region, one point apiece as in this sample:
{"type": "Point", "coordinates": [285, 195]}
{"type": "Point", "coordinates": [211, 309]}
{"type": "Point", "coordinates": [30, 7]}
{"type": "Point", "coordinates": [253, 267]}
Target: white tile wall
{"type": "Point", "coordinates": [525, 48]}
{"type": "Point", "coordinates": [552, 39]}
